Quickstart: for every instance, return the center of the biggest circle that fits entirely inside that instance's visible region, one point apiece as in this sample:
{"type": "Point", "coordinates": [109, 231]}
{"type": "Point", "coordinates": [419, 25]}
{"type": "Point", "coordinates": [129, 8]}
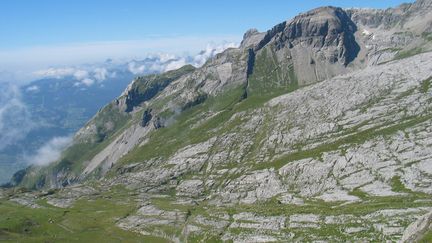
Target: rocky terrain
{"type": "Point", "coordinates": [318, 130]}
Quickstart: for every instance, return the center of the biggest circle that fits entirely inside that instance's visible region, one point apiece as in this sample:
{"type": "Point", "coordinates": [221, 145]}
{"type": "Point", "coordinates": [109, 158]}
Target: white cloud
{"type": "Point", "coordinates": [33, 88]}
{"type": "Point", "coordinates": [155, 67]}
{"type": "Point", "coordinates": [62, 72]}
{"type": "Point", "coordinates": [15, 119]}
{"type": "Point", "coordinates": [165, 57]}
{"type": "Point", "coordinates": [55, 72]}
{"type": "Point", "coordinates": [100, 74]}
{"type": "Point", "coordinates": [175, 64]}
{"type": "Point", "coordinates": [212, 50]}
{"type": "Point", "coordinates": [165, 62]}
{"type": "Point", "coordinates": [80, 74]}
{"type": "Point", "coordinates": [87, 81]}
{"type": "Point", "coordinates": [134, 68]}
{"type": "Point", "coordinates": [50, 151]}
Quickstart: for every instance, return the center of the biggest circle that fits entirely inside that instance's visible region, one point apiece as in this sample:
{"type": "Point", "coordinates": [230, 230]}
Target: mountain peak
{"type": "Point", "coordinates": [327, 29]}
{"type": "Point", "coordinates": [251, 38]}
{"type": "Point", "coordinates": [324, 21]}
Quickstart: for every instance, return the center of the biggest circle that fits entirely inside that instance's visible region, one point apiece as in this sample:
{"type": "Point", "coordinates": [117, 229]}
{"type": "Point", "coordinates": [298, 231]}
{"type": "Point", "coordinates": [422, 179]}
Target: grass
{"type": "Point", "coordinates": [398, 186]}
{"type": "Point", "coordinates": [409, 53]}
{"type": "Point", "coordinates": [86, 221]}
{"type": "Point", "coordinates": [270, 77]}
{"type": "Point", "coordinates": [425, 85]}
{"type": "Point", "coordinates": [358, 193]}
{"type": "Point", "coordinates": [204, 238]}
{"type": "Point", "coordinates": [427, 238]}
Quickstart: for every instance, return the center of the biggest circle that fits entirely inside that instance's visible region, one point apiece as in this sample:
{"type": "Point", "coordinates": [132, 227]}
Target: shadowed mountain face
{"type": "Point", "coordinates": [316, 130]}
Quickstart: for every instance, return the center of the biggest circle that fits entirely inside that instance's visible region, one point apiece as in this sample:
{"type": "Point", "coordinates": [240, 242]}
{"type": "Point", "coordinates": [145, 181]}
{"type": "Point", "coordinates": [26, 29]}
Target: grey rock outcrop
{"type": "Point", "coordinates": [416, 230]}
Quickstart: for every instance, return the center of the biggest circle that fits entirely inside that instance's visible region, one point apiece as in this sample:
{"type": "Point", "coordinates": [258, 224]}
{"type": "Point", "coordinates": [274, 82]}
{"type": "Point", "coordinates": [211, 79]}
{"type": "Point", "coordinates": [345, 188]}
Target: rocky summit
{"type": "Point", "coordinates": [318, 130]}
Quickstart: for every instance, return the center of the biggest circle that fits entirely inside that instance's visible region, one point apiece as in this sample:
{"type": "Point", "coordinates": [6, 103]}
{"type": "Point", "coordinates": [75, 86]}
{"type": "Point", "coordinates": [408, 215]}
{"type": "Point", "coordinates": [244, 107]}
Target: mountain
{"type": "Point", "coordinates": [52, 108]}
{"type": "Point", "coordinates": [317, 130]}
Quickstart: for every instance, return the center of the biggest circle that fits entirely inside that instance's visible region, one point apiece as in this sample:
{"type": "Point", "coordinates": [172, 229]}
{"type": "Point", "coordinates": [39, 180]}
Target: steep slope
{"type": "Point", "coordinates": [297, 135]}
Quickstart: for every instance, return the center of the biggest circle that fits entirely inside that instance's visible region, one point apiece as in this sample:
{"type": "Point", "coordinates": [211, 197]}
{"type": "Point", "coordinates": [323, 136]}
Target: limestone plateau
{"type": "Point", "coordinates": [318, 130]}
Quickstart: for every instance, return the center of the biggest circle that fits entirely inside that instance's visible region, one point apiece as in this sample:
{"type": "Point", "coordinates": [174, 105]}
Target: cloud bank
{"type": "Point", "coordinates": [15, 120]}
{"type": "Point", "coordinates": [166, 62]}
{"type": "Point", "coordinates": [88, 75]}
{"type": "Point", "coordinates": [17, 64]}
{"type": "Point", "coordinates": [50, 151]}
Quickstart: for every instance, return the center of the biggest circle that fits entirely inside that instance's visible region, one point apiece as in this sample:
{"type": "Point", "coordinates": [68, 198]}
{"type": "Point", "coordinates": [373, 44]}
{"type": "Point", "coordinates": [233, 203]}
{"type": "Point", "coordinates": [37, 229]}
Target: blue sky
{"type": "Point", "coordinates": [49, 32]}
{"type": "Point", "coordinates": [47, 22]}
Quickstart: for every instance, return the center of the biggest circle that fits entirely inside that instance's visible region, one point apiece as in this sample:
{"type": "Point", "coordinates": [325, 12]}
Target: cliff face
{"type": "Point", "coordinates": [318, 44]}
{"type": "Point", "coordinates": [327, 30]}
{"type": "Point", "coordinates": [317, 129]}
